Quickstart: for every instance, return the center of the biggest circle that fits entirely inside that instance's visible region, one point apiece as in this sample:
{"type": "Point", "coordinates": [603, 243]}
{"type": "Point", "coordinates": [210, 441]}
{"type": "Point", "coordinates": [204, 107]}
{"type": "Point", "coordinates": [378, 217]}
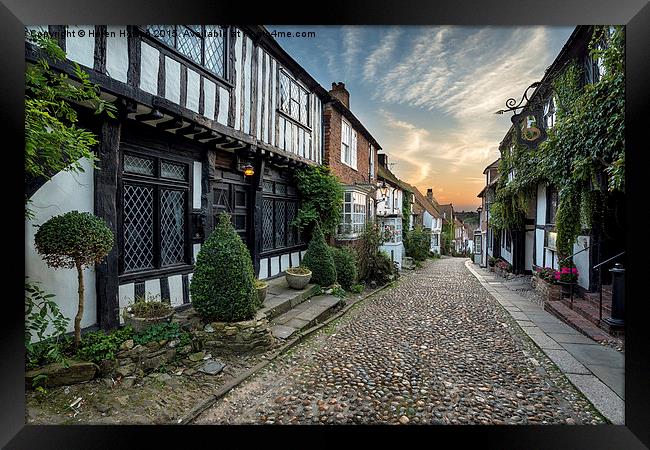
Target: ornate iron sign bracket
{"type": "Point", "coordinates": [528, 122]}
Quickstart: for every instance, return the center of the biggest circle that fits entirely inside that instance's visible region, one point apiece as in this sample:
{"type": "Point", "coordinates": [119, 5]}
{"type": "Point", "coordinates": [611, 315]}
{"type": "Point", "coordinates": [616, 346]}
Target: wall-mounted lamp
{"type": "Point", "coordinates": [248, 170]}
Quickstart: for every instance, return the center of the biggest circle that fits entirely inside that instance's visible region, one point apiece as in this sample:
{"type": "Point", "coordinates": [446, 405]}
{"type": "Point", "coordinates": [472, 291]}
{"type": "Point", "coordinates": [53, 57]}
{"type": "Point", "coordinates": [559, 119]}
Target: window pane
{"type": "Point", "coordinates": [280, 238]}
{"type": "Point", "coordinates": [135, 164]}
{"type": "Point", "coordinates": [267, 186]}
{"type": "Point", "coordinates": [214, 49]}
{"type": "Point", "coordinates": [189, 44]}
{"type": "Point", "coordinates": [164, 33]}
{"type": "Point", "coordinates": [291, 215]}
{"type": "Point", "coordinates": [173, 171]}
{"type": "Point", "coordinates": [267, 224]}
{"type": "Point", "coordinates": [285, 93]}
{"type": "Point", "coordinates": [138, 227]}
{"type": "Point", "coordinates": [172, 227]}
{"type": "Point", "coordinates": [304, 107]}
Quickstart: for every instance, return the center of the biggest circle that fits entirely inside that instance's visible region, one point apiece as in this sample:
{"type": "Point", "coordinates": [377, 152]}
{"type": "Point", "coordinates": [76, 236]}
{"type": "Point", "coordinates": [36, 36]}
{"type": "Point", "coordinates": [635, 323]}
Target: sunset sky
{"type": "Point", "coordinates": [428, 94]}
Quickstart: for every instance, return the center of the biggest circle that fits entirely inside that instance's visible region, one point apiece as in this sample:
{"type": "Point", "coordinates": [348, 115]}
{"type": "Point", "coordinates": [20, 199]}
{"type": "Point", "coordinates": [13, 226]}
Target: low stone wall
{"type": "Point", "coordinates": [250, 336]}
{"type": "Point", "coordinates": [550, 292]}
{"type": "Point", "coordinates": [141, 359]}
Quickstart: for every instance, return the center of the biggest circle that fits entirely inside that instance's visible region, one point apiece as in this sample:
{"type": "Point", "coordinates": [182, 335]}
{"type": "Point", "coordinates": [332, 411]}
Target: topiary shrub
{"type": "Point", "coordinates": [74, 240]}
{"type": "Point", "coordinates": [345, 261]}
{"type": "Point", "coordinates": [223, 284]}
{"type": "Point", "coordinates": [318, 259]}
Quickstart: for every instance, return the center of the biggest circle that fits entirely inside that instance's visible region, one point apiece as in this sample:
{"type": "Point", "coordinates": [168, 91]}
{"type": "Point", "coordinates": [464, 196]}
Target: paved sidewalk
{"type": "Point", "coordinates": [597, 371]}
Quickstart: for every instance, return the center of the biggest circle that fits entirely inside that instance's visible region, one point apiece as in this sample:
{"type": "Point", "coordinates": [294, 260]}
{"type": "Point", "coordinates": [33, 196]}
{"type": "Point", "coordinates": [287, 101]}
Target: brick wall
{"type": "Point", "coordinates": [332, 150]}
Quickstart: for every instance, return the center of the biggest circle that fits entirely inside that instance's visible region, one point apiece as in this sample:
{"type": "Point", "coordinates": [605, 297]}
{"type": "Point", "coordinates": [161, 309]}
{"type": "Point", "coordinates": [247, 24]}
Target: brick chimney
{"type": "Point", "coordinates": [339, 91]}
{"type": "Point", "coordinates": [383, 159]}
{"type": "Point", "coordinates": [430, 194]}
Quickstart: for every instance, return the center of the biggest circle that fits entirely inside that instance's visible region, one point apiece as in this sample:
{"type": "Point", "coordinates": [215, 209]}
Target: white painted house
{"type": "Point", "coordinates": [389, 211]}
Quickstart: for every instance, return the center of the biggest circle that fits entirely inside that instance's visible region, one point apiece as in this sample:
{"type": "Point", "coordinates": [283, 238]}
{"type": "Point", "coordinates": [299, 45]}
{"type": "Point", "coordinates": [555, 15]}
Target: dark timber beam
{"type": "Point", "coordinates": [106, 273]}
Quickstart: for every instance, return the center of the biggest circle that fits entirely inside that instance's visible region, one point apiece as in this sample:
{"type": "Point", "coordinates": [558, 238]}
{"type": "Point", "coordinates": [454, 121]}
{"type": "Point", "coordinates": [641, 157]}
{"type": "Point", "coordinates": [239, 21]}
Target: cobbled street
{"type": "Point", "coordinates": [434, 349]}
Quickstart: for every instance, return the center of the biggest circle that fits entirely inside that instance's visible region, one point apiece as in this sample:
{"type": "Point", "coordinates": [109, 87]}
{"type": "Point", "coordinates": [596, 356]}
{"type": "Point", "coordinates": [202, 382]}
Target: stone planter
{"type": "Point", "coordinates": [142, 323]}
{"type": "Point", "coordinates": [297, 281]}
{"type": "Point", "coordinates": [262, 289]}
{"type": "Point", "coordinates": [567, 289]}
{"type": "Point", "coordinates": [550, 292]}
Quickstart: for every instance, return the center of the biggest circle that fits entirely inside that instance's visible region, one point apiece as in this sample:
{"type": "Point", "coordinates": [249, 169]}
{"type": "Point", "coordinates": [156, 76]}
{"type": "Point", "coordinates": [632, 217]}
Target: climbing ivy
{"type": "Point", "coordinates": [406, 211]}
{"type": "Point", "coordinates": [584, 153]}
{"type": "Point", "coordinates": [321, 199]}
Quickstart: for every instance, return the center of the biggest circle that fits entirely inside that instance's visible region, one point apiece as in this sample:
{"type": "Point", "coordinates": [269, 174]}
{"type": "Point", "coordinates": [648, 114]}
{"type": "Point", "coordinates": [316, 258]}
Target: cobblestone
{"type": "Point", "coordinates": [435, 349]}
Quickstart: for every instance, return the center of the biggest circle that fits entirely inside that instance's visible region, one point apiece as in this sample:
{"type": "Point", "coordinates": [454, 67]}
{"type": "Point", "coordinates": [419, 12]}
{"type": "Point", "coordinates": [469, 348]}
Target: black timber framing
{"type": "Point", "coordinates": [106, 180]}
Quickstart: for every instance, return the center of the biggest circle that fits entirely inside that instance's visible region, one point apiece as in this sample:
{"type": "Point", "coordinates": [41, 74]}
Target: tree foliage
{"type": "Point", "coordinates": [418, 243]}
{"type": "Point", "coordinates": [74, 240]}
{"type": "Point", "coordinates": [223, 284]}
{"type": "Point", "coordinates": [53, 140]}
{"type": "Point", "coordinates": [345, 260]}
{"type": "Point", "coordinates": [321, 199]}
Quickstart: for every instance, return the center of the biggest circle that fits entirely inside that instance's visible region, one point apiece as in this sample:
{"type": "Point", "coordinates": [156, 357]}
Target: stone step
{"type": "Point", "coordinates": [576, 321]}
{"type": "Point", "coordinates": [594, 299]}
{"type": "Point", "coordinates": [304, 315]}
{"type": "Point", "coordinates": [280, 298]}
{"type": "Point", "coordinates": [586, 309]}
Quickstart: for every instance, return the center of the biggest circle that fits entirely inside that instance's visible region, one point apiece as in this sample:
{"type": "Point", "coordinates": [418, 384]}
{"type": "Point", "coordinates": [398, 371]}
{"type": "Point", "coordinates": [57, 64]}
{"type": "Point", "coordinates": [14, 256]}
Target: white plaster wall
{"type": "Point", "coordinates": [427, 220]}
{"type": "Point", "coordinates": [539, 247]}
{"type": "Point", "coordinates": [196, 190]}
{"type": "Point", "coordinates": [117, 53]}
{"type": "Point", "coordinates": [264, 269]}
{"type": "Point", "coordinates": [224, 105]}
{"type": "Point", "coordinates": [80, 48]}
{"type": "Point", "coordinates": [397, 252]}
{"type": "Point", "coordinates": [295, 259]}
{"type": "Point", "coordinates": [63, 193]}
{"type": "Point", "coordinates": [209, 98]}
{"type": "Point", "coordinates": [238, 80]}
{"type": "Point", "coordinates": [581, 260]}
{"type": "Point", "coordinates": [528, 250]}
{"type": "Point", "coordinates": [284, 262]}
{"type": "Point", "coordinates": [173, 80]}
{"type": "Point", "coordinates": [149, 62]}
{"type": "Point", "coordinates": [195, 250]}
{"type": "Point", "coordinates": [193, 88]}
{"type": "Point", "coordinates": [248, 65]}
{"type": "Point", "coordinates": [275, 265]}
{"type": "Point", "coordinates": [152, 288]}
{"type": "Point", "coordinates": [126, 296]}
{"type": "Point", "coordinates": [176, 290]}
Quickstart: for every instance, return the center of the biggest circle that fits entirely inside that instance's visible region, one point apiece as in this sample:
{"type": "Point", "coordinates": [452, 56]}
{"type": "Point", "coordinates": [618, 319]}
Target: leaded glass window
{"type": "Point", "coordinates": [203, 44]}
{"type": "Point", "coordinates": [279, 210]}
{"type": "Point", "coordinates": [294, 100]}
{"type": "Point", "coordinates": [154, 223]}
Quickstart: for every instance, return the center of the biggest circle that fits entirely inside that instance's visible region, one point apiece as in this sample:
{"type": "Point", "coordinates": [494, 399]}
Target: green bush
{"type": "Point", "coordinates": [167, 331]}
{"type": "Point", "coordinates": [74, 240]}
{"type": "Point", "coordinates": [318, 259]}
{"type": "Point", "coordinates": [97, 346]}
{"type": "Point", "coordinates": [345, 260]}
{"type": "Point", "coordinates": [384, 269]}
{"type": "Point", "coordinates": [371, 239]}
{"type": "Point", "coordinates": [223, 284]}
{"type": "Point", "coordinates": [418, 243]}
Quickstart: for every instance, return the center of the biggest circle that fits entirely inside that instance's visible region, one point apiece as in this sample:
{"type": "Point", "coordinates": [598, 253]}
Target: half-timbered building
{"type": "Point", "coordinates": [211, 119]}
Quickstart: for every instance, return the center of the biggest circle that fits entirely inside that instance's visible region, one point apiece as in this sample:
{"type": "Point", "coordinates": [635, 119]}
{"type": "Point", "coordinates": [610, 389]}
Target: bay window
{"type": "Point", "coordinates": [392, 230]}
{"type": "Point", "coordinates": [353, 218]}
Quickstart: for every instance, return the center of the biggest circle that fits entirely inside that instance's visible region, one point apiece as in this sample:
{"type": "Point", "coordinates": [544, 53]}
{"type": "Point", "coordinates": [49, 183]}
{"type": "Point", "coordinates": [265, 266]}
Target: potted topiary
{"type": "Point", "coordinates": [262, 288]}
{"type": "Point", "coordinates": [298, 277]}
{"type": "Point", "coordinates": [318, 259]}
{"type": "Point", "coordinates": [147, 311]}
{"type": "Point", "coordinates": [223, 284]}
{"type": "Point", "coordinates": [74, 240]}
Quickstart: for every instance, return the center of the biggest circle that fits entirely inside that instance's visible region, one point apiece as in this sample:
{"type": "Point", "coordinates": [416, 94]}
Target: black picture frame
{"type": "Point", "coordinates": [634, 13]}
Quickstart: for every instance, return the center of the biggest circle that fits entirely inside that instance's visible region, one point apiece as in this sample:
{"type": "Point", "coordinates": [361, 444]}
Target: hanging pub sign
{"type": "Point", "coordinates": [528, 125]}
{"type": "Point", "coordinates": [529, 122]}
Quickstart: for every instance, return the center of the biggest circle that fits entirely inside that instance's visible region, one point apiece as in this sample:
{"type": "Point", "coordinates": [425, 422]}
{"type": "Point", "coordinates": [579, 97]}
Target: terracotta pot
{"type": "Point", "coordinates": [142, 323]}
{"type": "Point", "coordinates": [296, 280]}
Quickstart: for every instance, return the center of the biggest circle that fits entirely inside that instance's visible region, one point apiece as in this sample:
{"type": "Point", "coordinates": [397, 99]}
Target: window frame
{"type": "Point", "coordinates": [395, 224]}
{"type": "Point", "coordinates": [550, 193]}
{"type": "Point", "coordinates": [157, 183]}
{"type": "Point", "coordinates": [202, 36]}
{"type": "Point", "coordinates": [351, 145]}
{"type": "Point", "coordinates": [282, 73]}
{"type": "Point", "coordinates": [355, 225]}
{"type": "Point", "coordinates": [289, 195]}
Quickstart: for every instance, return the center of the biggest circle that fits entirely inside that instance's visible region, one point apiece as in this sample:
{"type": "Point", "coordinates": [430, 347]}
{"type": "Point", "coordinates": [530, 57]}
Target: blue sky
{"type": "Point", "coordinates": [428, 94]}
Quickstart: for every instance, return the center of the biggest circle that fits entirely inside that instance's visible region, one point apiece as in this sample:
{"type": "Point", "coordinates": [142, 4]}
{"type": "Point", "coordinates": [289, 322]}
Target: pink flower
{"type": "Point", "coordinates": [574, 271]}
{"type": "Point", "coordinates": [565, 270]}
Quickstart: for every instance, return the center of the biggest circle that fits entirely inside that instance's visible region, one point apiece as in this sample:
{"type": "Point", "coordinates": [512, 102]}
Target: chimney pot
{"type": "Point", "coordinates": [340, 92]}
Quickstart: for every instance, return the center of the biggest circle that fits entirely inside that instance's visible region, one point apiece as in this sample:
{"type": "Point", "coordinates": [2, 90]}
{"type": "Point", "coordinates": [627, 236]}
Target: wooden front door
{"type": "Point", "coordinates": [232, 198]}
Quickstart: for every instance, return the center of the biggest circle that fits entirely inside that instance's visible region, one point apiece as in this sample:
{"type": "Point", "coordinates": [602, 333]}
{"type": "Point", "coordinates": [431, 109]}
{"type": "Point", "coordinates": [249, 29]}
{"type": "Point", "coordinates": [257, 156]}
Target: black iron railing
{"type": "Point", "coordinates": [600, 283]}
